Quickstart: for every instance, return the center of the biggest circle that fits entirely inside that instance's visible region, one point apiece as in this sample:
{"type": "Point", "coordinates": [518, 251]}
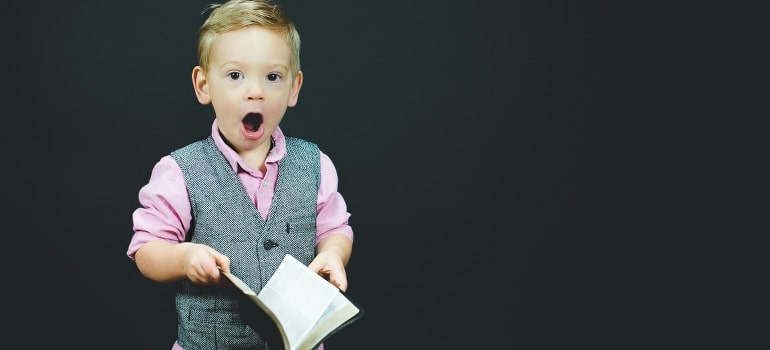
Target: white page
{"type": "Point", "coordinates": [298, 297]}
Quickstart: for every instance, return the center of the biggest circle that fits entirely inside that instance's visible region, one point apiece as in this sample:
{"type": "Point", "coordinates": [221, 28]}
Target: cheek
{"type": "Point", "coordinates": [275, 113]}
{"type": "Point", "coordinates": [277, 110]}
{"type": "Point", "coordinates": [226, 101]}
{"type": "Point", "coordinates": [278, 103]}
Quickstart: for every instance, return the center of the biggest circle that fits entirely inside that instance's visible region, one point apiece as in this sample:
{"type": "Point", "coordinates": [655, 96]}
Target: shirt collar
{"type": "Point", "coordinates": [276, 153]}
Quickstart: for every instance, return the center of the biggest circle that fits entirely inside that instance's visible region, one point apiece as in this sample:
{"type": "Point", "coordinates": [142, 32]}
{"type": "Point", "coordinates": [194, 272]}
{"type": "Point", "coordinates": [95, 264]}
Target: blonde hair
{"type": "Point", "coordinates": [237, 14]}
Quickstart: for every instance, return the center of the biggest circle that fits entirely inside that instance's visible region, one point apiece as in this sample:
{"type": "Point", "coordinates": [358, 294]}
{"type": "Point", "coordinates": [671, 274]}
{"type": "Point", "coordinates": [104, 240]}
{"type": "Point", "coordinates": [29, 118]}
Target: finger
{"type": "Point", "coordinates": [339, 279]}
{"type": "Point", "coordinates": [315, 266]}
{"type": "Point", "coordinates": [223, 262]}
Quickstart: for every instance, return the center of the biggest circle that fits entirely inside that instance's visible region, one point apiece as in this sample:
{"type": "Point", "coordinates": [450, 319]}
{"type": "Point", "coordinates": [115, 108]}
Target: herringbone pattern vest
{"type": "Point", "coordinates": [225, 218]}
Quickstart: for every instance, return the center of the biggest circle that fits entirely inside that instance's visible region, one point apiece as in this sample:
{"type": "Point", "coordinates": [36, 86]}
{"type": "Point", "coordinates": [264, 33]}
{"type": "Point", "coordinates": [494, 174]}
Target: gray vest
{"type": "Point", "coordinates": [225, 218]}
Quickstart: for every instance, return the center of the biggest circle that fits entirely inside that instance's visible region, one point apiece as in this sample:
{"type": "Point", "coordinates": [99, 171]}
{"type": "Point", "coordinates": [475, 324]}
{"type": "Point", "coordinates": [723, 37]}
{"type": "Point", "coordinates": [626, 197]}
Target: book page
{"type": "Point", "coordinates": [340, 311]}
{"type": "Point", "coordinates": [306, 307]}
{"type": "Point", "coordinates": [298, 298]}
{"type": "Point", "coordinates": [240, 284]}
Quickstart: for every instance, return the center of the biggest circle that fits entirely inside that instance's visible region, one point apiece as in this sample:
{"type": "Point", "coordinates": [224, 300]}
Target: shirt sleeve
{"type": "Point", "coordinates": [332, 213]}
{"type": "Point", "coordinates": [164, 211]}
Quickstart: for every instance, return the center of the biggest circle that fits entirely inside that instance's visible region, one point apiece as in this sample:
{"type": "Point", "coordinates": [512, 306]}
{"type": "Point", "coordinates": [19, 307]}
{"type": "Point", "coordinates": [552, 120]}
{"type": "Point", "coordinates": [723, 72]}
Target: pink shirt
{"type": "Point", "coordinates": [165, 206]}
{"type": "Point", "coordinates": [165, 211]}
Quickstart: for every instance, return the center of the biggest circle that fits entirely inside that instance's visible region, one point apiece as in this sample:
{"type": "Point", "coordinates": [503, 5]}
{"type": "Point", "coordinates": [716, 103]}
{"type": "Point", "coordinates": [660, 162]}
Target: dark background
{"type": "Point", "coordinates": [521, 174]}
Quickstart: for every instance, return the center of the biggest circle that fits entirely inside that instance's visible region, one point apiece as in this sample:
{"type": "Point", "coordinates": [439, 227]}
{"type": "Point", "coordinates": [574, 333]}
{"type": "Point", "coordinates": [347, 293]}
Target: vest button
{"type": "Point", "coordinates": [269, 244]}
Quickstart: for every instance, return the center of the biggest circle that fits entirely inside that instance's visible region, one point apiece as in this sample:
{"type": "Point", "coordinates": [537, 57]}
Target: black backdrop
{"type": "Point", "coordinates": [504, 163]}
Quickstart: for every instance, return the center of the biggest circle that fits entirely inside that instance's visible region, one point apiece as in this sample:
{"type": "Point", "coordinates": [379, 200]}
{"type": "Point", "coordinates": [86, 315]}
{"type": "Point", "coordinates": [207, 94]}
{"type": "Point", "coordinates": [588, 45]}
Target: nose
{"type": "Point", "coordinates": [254, 90]}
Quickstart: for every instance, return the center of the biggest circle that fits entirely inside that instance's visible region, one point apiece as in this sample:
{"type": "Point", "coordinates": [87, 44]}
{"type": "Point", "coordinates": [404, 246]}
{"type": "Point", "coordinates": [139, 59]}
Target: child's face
{"type": "Point", "coordinates": [249, 84]}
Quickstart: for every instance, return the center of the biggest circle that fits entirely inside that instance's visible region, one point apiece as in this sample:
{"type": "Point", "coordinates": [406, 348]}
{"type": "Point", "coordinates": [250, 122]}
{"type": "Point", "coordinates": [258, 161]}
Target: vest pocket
{"type": "Point", "coordinates": [298, 238]}
{"type": "Point", "coordinates": [206, 335]}
{"type": "Point", "coordinates": [300, 228]}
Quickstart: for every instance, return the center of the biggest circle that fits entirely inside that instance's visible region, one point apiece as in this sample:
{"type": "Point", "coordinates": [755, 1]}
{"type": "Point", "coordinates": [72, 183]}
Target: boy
{"type": "Point", "coordinates": [245, 196]}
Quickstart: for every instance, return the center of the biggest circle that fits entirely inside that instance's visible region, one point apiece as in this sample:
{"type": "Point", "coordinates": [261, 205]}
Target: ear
{"type": "Point", "coordinates": [295, 86]}
{"type": "Point", "coordinates": [201, 85]}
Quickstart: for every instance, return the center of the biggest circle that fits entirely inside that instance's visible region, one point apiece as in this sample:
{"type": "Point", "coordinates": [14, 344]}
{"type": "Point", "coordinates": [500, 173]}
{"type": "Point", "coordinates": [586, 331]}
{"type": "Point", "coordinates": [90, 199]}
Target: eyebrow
{"type": "Point", "coordinates": [270, 66]}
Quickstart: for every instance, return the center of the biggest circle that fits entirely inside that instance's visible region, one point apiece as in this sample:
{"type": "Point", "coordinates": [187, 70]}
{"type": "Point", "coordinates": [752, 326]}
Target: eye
{"type": "Point", "coordinates": [273, 76]}
{"type": "Point", "coordinates": [234, 75]}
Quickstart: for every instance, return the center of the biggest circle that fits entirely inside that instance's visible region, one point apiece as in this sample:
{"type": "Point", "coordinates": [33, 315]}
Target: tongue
{"type": "Point", "coordinates": [252, 126]}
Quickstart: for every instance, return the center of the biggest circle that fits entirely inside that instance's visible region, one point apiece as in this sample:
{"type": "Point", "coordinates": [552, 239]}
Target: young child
{"type": "Point", "coordinates": [246, 195]}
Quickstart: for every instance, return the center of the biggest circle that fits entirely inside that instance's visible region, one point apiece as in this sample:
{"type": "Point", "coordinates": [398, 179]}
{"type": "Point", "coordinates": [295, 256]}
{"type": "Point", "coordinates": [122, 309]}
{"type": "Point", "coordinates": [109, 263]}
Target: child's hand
{"type": "Point", "coordinates": [202, 263]}
{"type": "Point", "coordinates": [330, 267]}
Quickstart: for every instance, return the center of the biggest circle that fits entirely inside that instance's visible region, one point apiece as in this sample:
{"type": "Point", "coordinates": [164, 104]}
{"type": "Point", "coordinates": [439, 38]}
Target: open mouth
{"type": "Point", "coordinates": [252, 121]}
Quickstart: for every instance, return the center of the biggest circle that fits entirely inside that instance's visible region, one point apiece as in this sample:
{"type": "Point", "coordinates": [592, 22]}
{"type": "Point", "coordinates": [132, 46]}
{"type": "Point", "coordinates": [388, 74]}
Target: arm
{"type": "Point", "coordinates": [162, 261]}
{"type": "Point", "coordinates": [160, 227]}
{"type": "Point", "coordinates": [334, 242]}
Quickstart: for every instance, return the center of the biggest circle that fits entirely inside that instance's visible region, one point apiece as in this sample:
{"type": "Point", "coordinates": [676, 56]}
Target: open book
{"type": "Point", "coordinates": [306, 308]}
